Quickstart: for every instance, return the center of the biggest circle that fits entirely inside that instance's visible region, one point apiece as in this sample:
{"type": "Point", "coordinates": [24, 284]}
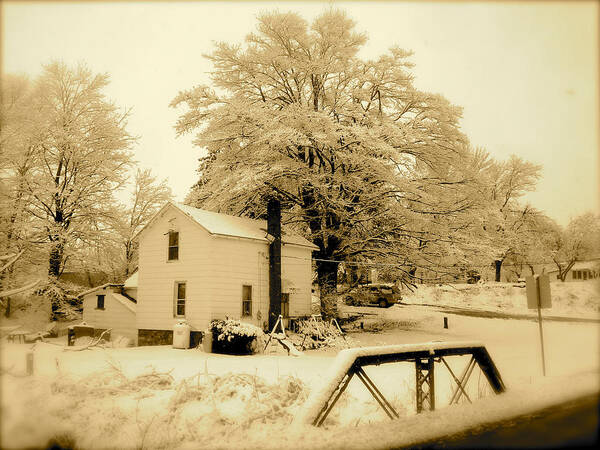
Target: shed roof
{"type": "Point", "coordinates": [225, 225]}
{"type": "Point", "coordinates": [128, 302]}
{"type": "Point", "coordinates": [132, 281]}
{"type": "Point", "coordinates": [125, 301]}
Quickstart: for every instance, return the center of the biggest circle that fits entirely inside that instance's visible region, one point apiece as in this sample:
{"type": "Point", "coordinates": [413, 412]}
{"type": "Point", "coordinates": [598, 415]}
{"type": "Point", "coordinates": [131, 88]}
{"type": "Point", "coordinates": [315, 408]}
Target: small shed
{"type": "Point", "coordinates": [109, 306]}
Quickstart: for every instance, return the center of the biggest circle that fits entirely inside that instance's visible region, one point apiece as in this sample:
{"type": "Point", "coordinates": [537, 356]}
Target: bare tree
{"type": "Point", "coordinates": [81, 159]}
{"type": "Point", "coordinates": [360, 159]}
{"type": "Point", "coordinates": [147, 197]}
{"type": "Point", "coordinates": [580, 239]}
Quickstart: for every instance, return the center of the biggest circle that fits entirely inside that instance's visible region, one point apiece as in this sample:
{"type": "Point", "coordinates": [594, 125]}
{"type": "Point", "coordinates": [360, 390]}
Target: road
{"type": "Point", "coordinates": [376, 311]}
{"type": "Point", "coordinates": [570, 425]}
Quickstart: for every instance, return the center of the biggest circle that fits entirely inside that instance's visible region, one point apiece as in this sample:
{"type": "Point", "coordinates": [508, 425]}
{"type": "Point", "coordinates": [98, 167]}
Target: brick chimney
{"type": "Point", "coordinates": [274, 229]}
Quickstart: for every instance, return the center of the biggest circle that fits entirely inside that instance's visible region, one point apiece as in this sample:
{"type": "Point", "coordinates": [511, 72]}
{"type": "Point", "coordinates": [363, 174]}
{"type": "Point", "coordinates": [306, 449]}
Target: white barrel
{"type": "Point", "coordinates": [181, 335]}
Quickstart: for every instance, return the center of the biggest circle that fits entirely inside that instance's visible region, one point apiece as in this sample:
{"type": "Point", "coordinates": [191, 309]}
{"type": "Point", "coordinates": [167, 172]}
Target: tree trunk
{"type": "Point", "coordinates": [562, 274]}
{"type": "Point", "coordinates": [56, 259]}
{"type": "Point", "coordinates": [54, 270]}
{"type": "Point", "coordinates": [327, 244]}
{"type": "Point", "coordinates": [128, 258]}
{"type": "Point", "coordinates": [327, 279]}
{"type": "Point", "coordinates": [498, 264]}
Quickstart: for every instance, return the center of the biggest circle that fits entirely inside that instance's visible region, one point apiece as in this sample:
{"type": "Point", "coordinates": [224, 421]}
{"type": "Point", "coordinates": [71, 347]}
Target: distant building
{"type": "Point", "coordinates": [581, 271]}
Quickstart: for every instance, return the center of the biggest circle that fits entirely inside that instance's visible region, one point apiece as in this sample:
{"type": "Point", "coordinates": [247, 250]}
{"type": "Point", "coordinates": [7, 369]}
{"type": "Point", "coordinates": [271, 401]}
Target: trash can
{"type": "Point", "coordinates": [181, 334]}
{"type": "Point", "coordinates": [207, 341]}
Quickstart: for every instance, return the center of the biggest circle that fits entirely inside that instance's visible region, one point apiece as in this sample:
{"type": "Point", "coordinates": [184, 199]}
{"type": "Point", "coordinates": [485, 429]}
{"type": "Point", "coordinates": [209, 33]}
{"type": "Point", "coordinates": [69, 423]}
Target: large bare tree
{"type": "Point", "coordinates": [363, 162]}
{"type": "Point", "coordinates": [83, 157]}
{"type": "Point", "coordinates": [65, 150]}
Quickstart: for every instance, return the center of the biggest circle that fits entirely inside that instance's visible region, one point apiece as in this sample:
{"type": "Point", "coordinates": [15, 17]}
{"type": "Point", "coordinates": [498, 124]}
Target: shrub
{"type": "Point", "coordinates": [318, 333]}
{"type": "Point", "coordinates": [234, 337]}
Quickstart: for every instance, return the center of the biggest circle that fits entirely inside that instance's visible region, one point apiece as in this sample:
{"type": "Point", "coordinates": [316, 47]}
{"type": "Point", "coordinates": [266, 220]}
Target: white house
{"type": "Point", "coordinates": [111, 306]}
{"type": "Point", "coordinates": [199, 265]}
{"type": "Point", "coordinates": [581, 271]}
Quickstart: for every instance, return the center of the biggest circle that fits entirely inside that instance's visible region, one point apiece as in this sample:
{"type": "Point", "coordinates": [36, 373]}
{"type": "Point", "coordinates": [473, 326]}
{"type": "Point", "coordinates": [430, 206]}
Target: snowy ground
{"type": "Point", "coordinates": [157, 397]}
{"type": "Point", "coordinates": [571, 299]}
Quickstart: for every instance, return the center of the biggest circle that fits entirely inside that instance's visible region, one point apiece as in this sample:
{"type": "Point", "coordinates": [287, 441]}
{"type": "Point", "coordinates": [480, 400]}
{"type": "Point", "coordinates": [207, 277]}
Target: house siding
{"type": "Point", "coordinates": [214, 268]}
{"type": "Point", "coordinates": [157, 276]}
{"type": "Point", "coordinates": [239, 262]}
{"type": "Point", "coordinates": [243, 262]}
{"type": "Point", "coordinates": [296, 267]}
{"type": "Point", "coordinates": [115, 315]}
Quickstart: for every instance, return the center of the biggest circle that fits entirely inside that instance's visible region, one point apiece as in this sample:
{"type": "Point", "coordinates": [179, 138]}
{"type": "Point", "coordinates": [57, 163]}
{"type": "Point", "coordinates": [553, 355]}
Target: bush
{"type": "Point", "coordinates": [317, 334]}
{"type": "Point", "coordinates": [234, 337]}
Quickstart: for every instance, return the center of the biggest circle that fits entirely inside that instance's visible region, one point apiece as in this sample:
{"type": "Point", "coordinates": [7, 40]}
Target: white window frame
{"type": "Point", "coordinates": [169, 246]}
{"type": "Point", "coordinates": [176, 298]}
{"type": "Point", "coordinates": [244, 300]}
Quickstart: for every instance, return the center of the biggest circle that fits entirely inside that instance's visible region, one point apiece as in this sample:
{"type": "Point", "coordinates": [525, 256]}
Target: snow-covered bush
{"type": "Point", "coordinates": [234, 337]}
{"type": "Point", "coordinates": [317, 334]}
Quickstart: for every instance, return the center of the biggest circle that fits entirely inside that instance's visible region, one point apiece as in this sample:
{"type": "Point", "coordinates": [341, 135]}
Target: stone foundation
{"type": "Point", "coordinates": [155, 337]}
{"type": "Point", "coordinates": [165, 337]}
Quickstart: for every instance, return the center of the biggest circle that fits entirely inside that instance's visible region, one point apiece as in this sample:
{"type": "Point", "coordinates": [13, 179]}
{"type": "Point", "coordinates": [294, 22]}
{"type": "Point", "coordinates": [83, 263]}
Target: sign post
{"type": "Point", "coordinates": [538, 297]}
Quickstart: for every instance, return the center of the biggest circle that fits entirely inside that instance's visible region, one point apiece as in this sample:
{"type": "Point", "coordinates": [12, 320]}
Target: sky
{"type": "Point", "coordinates": [525, 73]}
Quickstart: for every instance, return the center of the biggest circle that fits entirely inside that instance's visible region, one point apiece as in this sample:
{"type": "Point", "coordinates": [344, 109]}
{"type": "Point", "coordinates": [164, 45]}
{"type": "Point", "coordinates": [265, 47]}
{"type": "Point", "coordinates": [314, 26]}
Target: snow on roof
{"type": "Point", "coordinates": [581, 265]}
{"type": "Point", "coordinates": [103, 286]}
{"type": "Point", "coordinates": [243, 227]}
{"type": "Point", "coordinates": [124, 301]}
{"type": "Point", "coordinates": [591, 265]}
{"type": "Point", "coordinates": [131, 282]}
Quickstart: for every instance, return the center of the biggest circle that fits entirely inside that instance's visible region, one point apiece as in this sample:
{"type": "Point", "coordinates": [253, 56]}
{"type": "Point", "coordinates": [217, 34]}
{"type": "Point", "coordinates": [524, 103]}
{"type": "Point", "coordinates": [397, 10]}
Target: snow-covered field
{"type": "Point", "coordinates": [575, 299]}
{"type": "Point", "coordinates": [160, 397]}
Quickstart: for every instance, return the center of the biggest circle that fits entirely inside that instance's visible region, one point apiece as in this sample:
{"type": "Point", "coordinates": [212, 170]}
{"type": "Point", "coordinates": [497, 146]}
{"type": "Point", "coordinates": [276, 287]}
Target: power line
{"type": "Point", "coordinates": [371, 264]}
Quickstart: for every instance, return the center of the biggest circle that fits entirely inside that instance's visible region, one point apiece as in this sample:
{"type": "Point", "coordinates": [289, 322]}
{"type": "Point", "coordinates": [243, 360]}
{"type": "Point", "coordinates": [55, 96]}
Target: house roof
{"type": "Point", "coordinates": [128, 302]}
{"type": "Point", "coordinates": [102, 286]}
{"type": "Point", "coordinates": [582, 265]}
{"type": "Point", "coordinates": [125, 301]}
{"type": "Point", "coordinates": [242, 227]}
{"type": "Point", "coordinates": [132, 281]}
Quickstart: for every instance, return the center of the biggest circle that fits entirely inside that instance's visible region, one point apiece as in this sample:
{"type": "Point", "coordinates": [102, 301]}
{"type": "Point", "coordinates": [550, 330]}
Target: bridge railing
{"type": "Point", "coordinates": [350, 363]}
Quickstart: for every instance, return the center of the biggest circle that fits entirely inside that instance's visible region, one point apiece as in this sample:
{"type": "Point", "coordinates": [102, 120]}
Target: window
{"type": "Point", "coordinates": [180, 299]}
{"type": "Point", "coordinates": [246, 300]}
{"type": "Point", "coordinates": [100, 301]}
{"type": "Point", "coordinates": [173, 245]}
{"type": "Point", "coordinates": [285, 305]}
